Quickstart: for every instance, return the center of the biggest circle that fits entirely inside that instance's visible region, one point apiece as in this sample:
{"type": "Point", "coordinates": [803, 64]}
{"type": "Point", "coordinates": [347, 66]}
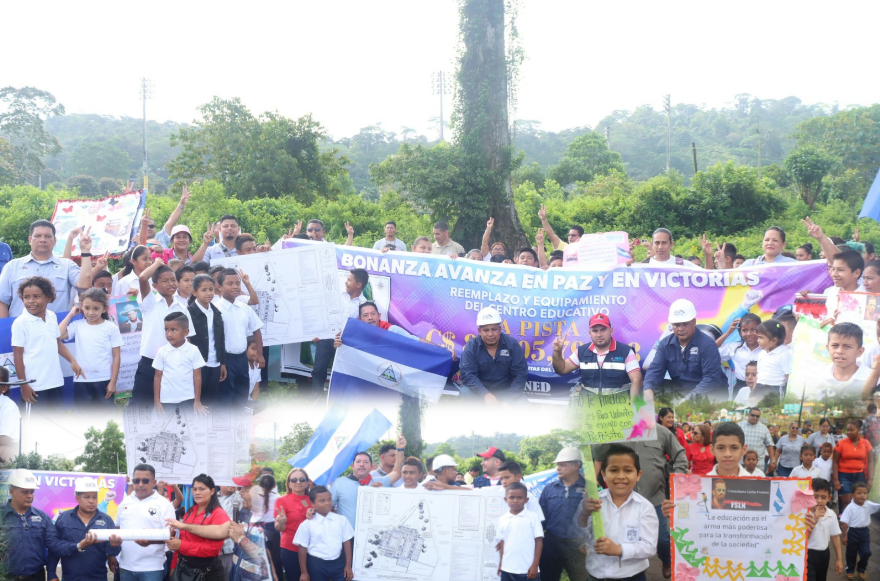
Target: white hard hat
{"type": "Point", "coordinates": [682, 311]}
{"type": "Point", "coordinates": [22, 478]}
{"type": "Point", "coordinates": [442, 461]}
{"type": "Point", "coordinates": [488, 316]}
{"type": "Point", "coordinates": [85, 484]}
{"type": "Point", "coordinates": [569, 454]}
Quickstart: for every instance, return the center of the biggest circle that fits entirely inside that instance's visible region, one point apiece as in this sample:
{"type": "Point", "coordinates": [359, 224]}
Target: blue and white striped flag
{"type": "Point", "coordinates": [371, 358]}
{"type": "Point", "coordinates": [343, 432]}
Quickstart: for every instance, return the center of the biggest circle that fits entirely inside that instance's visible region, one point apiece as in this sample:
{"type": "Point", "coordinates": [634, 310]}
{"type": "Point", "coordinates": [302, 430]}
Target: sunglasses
{"type": "Point", "coordinates": [140, 480]}
{"type": "Point", "coordinates": [313, 229]}
{"type": "Point", "coordinates": [151, 226]}
{"type": "Point", "coordinates": [300, 479]}
{"type": "Point", "coordinates": [755, 415]}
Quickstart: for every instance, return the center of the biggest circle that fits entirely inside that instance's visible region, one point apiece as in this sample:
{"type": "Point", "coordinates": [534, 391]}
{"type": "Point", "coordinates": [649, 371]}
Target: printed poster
{"type": "Point", "coordinates": [600, 250]}
{"type": "Point", "coordinates": [737, 528]}
{"type": "Point", "coordinates": [112, 221]}
{"type": "Point", "coordinates": [57, 491]}
{"type": "Point", "coordinates": [126, 314]}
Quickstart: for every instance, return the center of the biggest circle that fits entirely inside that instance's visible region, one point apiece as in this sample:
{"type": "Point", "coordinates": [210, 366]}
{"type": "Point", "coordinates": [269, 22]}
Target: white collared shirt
{"type": "Point", "coordinates": [125, 284]}
{"type": "Point", "coordinates": [239, 322]}
{"type": "Point", "coordinates": [154, 309]}
{"type": "Point", "coordinates": [773, 366]}
{"type": "Point", "coordinates": [758, 472]}
{"type": "Point", "coordinates": [672, 262]}
{"type": "Point", "coordinates": [801, 472]}
{"type": "Point", "coordinates": [824, 467]}
{"type": "Point", "coordinates": [323, 535]}
{"type": "Point", "coordinates": [10, 418]}
{"type": "Point", "coordinates": [352, 305]}
{"type": "Point", "coordinates": [859, 516]}
{"type": "Point", "coordinates": [94, 348]}
{"type": "Point", "coordinates": [826, 528]}
{"type": "Point", "coordinates": [177, 365]}
{"type": "Point", "coordinates": [212, 351]}
{"type": "Point", "coordinates": [741, 355]}
{"type": "Point", "coordinates": [149, 513]}
{"type": "Point", "coordinates": [39, 339]}
{"type": "Point", "coordinates": [634, 526]}
{"type": "Point", "coordinates": [518, 531]}
{"type": "Point", "coordinates": [742, 471]}
{"type": "Point", "coordinates": [184, 302]}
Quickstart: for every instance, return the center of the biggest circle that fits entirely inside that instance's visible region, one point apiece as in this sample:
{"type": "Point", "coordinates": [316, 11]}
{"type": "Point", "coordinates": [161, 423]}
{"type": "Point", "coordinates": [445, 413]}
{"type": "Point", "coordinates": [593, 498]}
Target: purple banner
{"type": "Point", "coordinates": [56, 491]}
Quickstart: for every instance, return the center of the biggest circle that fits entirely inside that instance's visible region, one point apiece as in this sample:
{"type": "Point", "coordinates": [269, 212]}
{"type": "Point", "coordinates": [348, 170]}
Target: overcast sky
{"type": "Point", "coordinates": [353, 64]}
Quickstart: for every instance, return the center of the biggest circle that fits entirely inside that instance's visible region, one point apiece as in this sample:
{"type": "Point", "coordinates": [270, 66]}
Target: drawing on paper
{"type": "Point", "coordinates": [407, 547]}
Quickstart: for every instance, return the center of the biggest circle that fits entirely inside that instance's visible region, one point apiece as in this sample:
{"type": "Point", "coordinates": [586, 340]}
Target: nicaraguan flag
{"type": "Point", "coordinates": [871, 206]}
{"type": "Point", "coordinates": [372, 358]}
{"type": "Point", "coordinates": [341, 434]}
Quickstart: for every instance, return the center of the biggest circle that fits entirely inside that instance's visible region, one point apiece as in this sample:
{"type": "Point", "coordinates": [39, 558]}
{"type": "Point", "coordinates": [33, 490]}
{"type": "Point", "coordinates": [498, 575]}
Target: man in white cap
{"type": "Point", "coordinates": [690, 358]}
{"type": "Point", "coordinates": [493, 365]}
{"type": "Point", "coordinates": [30, 532]}
{"type": "Point", "coordinates": [444, 474]}
{"type": "Point", "coordinates": [562, 537]}
{"type": "Point", "coordinates": [76, 525]}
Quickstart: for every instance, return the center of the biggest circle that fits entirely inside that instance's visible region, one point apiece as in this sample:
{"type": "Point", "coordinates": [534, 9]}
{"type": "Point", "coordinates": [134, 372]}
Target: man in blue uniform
{"type": "Point", "coordinates": [29, 532]}
{"type": "Point", "coordinates": [74, 525]}
{"type": "Point", "coordinates": [690, 358]}
{"type": "Point", "coordinates": [493, 458]}
{"type": "Point", "coordinates": [492, 365]}
{"type": "Point", "coordinates": [562, 538]}
{"type": "Point", "coordinates": [605, 365]}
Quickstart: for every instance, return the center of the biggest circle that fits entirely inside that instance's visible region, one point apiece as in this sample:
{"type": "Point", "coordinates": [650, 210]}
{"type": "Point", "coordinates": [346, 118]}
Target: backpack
{"type": "Point", "coordinates": [5, 255]}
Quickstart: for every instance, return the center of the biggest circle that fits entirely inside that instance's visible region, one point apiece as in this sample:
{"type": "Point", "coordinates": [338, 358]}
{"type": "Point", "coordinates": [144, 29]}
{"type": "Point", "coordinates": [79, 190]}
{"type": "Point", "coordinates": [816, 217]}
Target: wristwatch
{"type": "Point", "coordinates": [78, 548]}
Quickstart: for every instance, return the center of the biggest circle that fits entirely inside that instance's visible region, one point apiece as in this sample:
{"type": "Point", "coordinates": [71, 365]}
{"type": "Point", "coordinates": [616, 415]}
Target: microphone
{"type": "Point", "coordinates": [236, 506]}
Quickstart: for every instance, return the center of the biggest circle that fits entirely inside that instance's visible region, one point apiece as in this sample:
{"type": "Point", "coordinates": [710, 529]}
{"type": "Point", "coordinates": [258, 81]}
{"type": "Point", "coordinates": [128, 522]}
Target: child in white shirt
{"type": "Point", "coordinates": [825, 533]}
{"type": "Point", "coordinates": [519, 537]}
{"type": "Point", "coordinates": [744, 395]}
{"type": "Point", "coordinates": [808, 468]}
{"type": "Point", "coordinates": [99, 347]}
{"type": "Point", "coordinates": [855, 529]}
{"type": "Point", "coordinates": [774, 361]}
{"type": "Point", "coordinates": [178, 366]}
{"type": "Point", "coordinates": [324, 541]}
{"type": "Point", "coordinates": [750, 463]}
{"type": "Point", "coordinates": [824, 463]}
{"type": "Point", "coordinates": [631, 524]}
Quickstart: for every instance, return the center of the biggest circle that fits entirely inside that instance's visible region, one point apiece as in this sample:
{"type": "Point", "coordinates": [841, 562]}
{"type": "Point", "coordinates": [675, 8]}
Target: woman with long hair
{"type": "Point", "coordinates": [265, 495]}
{"type": "Point", "coordinates": [290, 512]}
{"type": "Point", "coordinates": [853, 458]}
{"type": "Point", "coordinates": [194, 552]}
{"type": "Point", "coordinates": [666, 418]}
{"type": "Point", "coordinates": [699, 452]}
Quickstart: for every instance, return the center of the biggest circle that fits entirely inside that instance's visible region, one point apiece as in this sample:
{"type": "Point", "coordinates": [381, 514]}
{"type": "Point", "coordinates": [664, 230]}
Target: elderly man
{"type": "Point", "coordinates": [559, 502]}
{"type": "Point", "coordinates": [758, 438]}
{"type": "Point", "coordinates": [653, 456]}
{"type": "Point", "coordinates": [66, 276]}
{"type": "Point", "coordinates": [30, 532]}
{"type": "Point", "coordinates": [344, 490]}
{"type": "Point", "coordinates": [690, 358]}
{"type": "Point", "coordinates": [75, 525]}
{"type": "Point", "coordinates": [606, 366]}
{"type": "Point", "coordinates": [493, 458]}
{"type": "Point", "coordinates": [493, 365]}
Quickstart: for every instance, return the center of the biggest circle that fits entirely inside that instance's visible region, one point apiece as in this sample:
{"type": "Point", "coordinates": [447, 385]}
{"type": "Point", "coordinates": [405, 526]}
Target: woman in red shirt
{"type": "Point", "coordinates": [852, 459]}
{"type": "Point", "coordinates": [290, 512]}
{"type": "Point", "coordinates": [699, 451]}
{"type": "Point", "coordinates": [195, 551]}
{"type": "Point", "coordinates": [667, 420]}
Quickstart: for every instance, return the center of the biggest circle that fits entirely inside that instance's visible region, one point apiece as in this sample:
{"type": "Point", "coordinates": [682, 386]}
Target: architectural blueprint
{"type": "Point", "coordinates": [180, 444]}
{"type": "Point", "coordinates": [424, 535]}
{"type": "Point", "coordinates": [299, 296]}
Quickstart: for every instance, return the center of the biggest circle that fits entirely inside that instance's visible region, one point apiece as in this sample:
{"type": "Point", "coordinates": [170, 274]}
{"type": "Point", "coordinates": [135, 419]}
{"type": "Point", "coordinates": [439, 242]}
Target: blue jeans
{"type": "Point", "coordinates": [664, 548]}
{"type": "Point", "coordinates": [783, 471]}
{"type": "Point", "coordinates": [126, 575]}
{"type": "Point", "coordinates": [847, 479]}
{"type": "Point", "coordinates": [324, 353]}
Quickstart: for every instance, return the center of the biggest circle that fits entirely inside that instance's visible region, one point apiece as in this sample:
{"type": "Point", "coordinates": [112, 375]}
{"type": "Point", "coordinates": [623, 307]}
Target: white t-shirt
{"type": "Point", "coordinates": [382, 243]}
{"type": "Point", "coordinates": [149, 513]}
{"type": "Point", "coordinates": [39, 339]}
{"type": "Point", "coordinates": [801, 472]}
{"type": "Point", "coordinates": [323, 535]}
{"type": "Point", "coordinates": [239, 321]}
{"type": "Point", "coordinates": [518, 531]}
{"type": "Point", "coordinates": [773, 366]}
{"type": "Point", "coordinates": [255, 375]}
{"type": "Point", "coordinates": [154, 309]}
{"type": "Point", "coordinates": [867, 358]}
{"type": "Point", "coordinates": [94, 348]}
{"type": "Point", "coordinates": [830, 386]}
{"type": "Point", "coordinates": [741, 355]}
{"type": "Point", "coordinates": [125, 284]}
{"type": "Point", "coordinates": [859, 516]}
{"type": "Point", "coordinates": [177, 365]}
{"type": "Point", "coordinates": [826, 528]}
{"type": "Point", "coordinates": [10, 418]}
{"type": "Point", "coordinates": [824, 467]}
{"type": "Point", "coordinates": [673, 262]}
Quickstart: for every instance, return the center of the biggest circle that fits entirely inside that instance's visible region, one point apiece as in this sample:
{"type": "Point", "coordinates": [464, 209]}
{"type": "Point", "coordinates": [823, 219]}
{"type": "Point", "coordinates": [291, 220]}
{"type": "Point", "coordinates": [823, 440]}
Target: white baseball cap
{"type": "Point", "coordinates": [442, 461]}
{"type": "Point", "coordinates": [682, 311]}
{"type": "Point", "coordinates": [488, 316]}
{"type": "Point", "coordinates": [569, 454]}
{"type": "Point", "coordinates": [85, 484]}
{"type": "Point", "coordinates": [22, 478]}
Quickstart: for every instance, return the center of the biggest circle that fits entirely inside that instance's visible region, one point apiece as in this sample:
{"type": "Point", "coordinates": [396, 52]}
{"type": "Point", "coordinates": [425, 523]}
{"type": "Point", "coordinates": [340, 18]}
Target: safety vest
{"type": "Point", "coordinates": [612, 373]}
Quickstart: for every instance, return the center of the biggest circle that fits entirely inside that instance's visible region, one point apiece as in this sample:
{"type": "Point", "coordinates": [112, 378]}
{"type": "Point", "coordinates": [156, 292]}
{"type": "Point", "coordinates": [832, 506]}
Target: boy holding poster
{"type": "Point", "coordinates": [827, 532]}
{"type": "Point", "coordinates": [631, 524]}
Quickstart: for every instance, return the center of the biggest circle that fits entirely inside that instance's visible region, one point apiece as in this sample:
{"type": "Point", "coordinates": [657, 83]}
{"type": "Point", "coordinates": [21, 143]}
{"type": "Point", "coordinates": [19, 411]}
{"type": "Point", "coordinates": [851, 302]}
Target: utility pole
{"type": "Point", "coordinates": [667, 105]}
{"type": "Point", "coordinates": [694, 150]}
{"type": "Point", "coordinates": [274, 442]}
{"type": "Point", "coordinates": [608, 136]}
{"type": "Point", "coordinates": [146, 93]}
{"type": "Point", "coordinates": [440, 86]}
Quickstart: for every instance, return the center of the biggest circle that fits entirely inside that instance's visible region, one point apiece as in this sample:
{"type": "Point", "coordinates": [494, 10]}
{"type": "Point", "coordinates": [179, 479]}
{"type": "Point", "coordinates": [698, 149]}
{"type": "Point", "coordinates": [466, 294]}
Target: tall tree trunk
{"type": "Point", "coordinates": [482, 125]}
{"type": "Point", "coordinates": [411, 424]}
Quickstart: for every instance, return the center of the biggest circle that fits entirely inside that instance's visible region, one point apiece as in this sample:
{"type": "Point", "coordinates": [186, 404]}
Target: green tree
{"type": "Point", "coordinates": [21, 205]}
{"type": "Point", "coordinates": [86, 185]}
{"type": "Point", "coordinates": [807, 167]}
{"type": "Point", "coordinates": [444, 448]}
{"type": "Point", "coordinates": [586, 158]}
{"type": "Point", "coordinates": [105, 450]}
{"type": "Point", "coordinates": [852, 135]}
{"type": "Point", "coordinates": [100, 159]}
{"type": "Point", "coordinates": [58, 463]}
{"type": "Point", "coordinates": [296, 440]}
{"type": "Point", "coordinates": [253, 157]}
{"type": "Point", "coordinates": [22, 126]}
{"type": "Point", "coordinates": [109, 186]}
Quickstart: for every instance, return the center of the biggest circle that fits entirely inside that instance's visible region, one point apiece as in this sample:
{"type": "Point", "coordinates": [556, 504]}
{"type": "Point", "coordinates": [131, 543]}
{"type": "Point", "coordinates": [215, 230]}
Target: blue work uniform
{"type": "Point", "coordinates": [562, 537]}
{"type": "Point", "coordinates": [504, 375]}
{"type": "Point", "coordinates": [91, 564]}
{"type": "Point", "coordinates": [29, 536]}
{"type": "Point", "coordinates": [694, 370]}
{"type": "Point", "coordinates": [62, 272]}
{"type": "Point", "coordinates": [611, 373]}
